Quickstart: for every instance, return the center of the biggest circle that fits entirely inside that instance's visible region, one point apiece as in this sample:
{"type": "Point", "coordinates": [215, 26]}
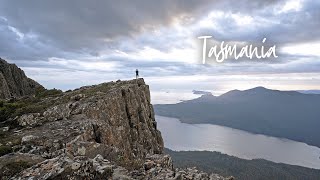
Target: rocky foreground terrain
{"type": "Point", "coordinates": [105, 131]}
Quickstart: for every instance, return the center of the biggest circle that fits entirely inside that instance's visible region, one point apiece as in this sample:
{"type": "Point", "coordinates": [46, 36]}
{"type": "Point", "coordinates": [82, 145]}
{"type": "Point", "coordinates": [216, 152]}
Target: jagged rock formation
{"type": "Point", "coordinates": [13, 81]}
{"type": "Point", "coordinates": [81, 167]}
{"type": "Point", "coordinates": [106, 131]}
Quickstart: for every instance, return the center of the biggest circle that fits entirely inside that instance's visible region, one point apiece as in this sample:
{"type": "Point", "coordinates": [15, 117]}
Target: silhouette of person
{"type": "Point", "coordinates": [137, 74]}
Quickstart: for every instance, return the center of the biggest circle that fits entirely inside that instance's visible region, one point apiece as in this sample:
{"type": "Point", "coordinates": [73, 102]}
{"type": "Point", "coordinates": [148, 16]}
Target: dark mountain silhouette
{"type": "Point", "coordinates": [241, 169]}
{"type": "Point", "coordinates": [287, 114]}
{"type": "Point", "coordinates": [309, 91]}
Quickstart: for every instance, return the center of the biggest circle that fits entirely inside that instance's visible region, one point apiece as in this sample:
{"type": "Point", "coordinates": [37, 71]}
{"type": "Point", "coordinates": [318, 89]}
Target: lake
{"type": "Point", "coordinates": [184, 137]}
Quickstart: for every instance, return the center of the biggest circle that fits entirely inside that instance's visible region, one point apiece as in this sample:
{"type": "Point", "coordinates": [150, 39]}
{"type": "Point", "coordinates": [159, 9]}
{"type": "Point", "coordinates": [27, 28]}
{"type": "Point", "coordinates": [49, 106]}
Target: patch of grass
{"type": "Point", "coordinates": [15, 141]}
{"type": "Point", "coordinates": [5, 150]}
{"type": "Point", "coordinates": [37, 104]}
{"type": "Point", "coordinates": [8, 108]}
{"type": "Point", "coordinates": [13, 168]}
{"type": "Point", "coordinates": [32, 108]}
{"type": "Point", "coordinates": [43, 93]}
{"type": "Point", "coordinates": [6, 137]}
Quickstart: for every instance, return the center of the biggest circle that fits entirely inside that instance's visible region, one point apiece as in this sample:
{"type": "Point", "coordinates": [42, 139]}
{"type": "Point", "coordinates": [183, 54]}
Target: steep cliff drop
{"type": "Point", "coordinates": [105, 131]}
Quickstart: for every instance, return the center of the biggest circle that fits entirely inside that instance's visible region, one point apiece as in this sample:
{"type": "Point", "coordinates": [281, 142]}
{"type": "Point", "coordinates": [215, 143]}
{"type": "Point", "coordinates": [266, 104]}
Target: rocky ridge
{"type": "Point", "coordinates": [14, 83]}
{"type": "Point", "coordinates": [105, 131]}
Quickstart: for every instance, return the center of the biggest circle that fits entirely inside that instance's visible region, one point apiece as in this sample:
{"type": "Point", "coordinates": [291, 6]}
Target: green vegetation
{"type": "Point", "coordinates": [5, 138]}
{"type": "Point", "coordinates": [13, 168]}
{"type": "Point", "coordinates": [43, 93]}
{"type": "Point", "coordinates": [17, 107]}
{"type": "Point", "coordinates": [241, 169]}
{"type": "Point", "coordinates": [5, 150]}
{"type": "Point", "coordinates": [7, 109]}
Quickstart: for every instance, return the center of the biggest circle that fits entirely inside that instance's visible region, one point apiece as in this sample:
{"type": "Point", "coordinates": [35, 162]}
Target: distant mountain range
{"type": "Point", "coordinates": [309, 91]}
{"type": "Point", "coordinates": [287, 114]}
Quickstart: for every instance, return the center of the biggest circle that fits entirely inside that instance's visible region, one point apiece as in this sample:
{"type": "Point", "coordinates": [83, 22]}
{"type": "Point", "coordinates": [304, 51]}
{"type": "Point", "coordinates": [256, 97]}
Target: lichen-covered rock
{"type": "Point", "coordinates": [4, 129]}
{"type": "Point", "coordinates": [32, 119]}
{"type": "Point", "coordinates": [82, 167]}
{"type": "Point", "coordinates": [28, 139]}
{"type": "Point", "coordinates": [77, 97]}
{"type": "Point", "coordinates": [163, 160]}
{"type": "Point", "coordinates": [59, 112]}
{"type": "Point", "coordinates": [63, 167]}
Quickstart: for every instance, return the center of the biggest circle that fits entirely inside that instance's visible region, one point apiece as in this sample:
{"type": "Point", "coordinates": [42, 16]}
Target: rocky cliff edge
{"type": "Point", "coordinates": [106, 131]}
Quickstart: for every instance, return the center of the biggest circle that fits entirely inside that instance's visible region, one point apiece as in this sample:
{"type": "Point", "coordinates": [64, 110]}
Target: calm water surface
{"type": "Point", "coordinates": [180, 136]}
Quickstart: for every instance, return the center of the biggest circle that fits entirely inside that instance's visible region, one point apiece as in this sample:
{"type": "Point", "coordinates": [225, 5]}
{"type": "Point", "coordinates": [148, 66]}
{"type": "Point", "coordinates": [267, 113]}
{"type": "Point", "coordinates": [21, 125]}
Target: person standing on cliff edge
{"type": "Point", "coordinates": [137, 74]}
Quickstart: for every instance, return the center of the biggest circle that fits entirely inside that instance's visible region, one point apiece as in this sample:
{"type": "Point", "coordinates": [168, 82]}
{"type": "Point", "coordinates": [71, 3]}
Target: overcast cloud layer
{"type": "Point", "coordinates": [66, 44]}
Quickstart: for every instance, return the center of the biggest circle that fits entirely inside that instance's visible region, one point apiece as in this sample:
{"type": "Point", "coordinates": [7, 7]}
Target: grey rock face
{"type": "Point", "coordinates": [125, 119]}
{"type": "Point", "coordinates": [13, 81]}
{"type": "Point", "coordinates": [4, 89]}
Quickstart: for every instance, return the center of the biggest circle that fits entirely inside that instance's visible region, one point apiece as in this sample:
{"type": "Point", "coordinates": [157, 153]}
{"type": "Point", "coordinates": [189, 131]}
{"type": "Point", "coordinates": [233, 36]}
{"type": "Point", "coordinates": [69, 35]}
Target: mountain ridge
{"type": "Point", "coordinates": [286, 114]}
{"type": "Point", "coordinates": [259, 89]}
{"type": "Point", "coordinates": [14, 82]}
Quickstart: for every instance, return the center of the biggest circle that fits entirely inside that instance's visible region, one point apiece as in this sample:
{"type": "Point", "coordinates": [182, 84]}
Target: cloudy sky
{"type": "Point", "coordinates": [67, 44]}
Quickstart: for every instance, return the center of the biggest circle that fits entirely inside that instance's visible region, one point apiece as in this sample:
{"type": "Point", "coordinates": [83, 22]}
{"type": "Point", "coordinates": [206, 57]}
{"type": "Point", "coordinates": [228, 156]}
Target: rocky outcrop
{"type": "Point", "coordinates": [122, 118]}
{"type": "Point", "coordinates": [82, 167]}
{"type": "Point", "coordinates": [106, 131]}
{"type": "Point", "coordinates": [13, 81]}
